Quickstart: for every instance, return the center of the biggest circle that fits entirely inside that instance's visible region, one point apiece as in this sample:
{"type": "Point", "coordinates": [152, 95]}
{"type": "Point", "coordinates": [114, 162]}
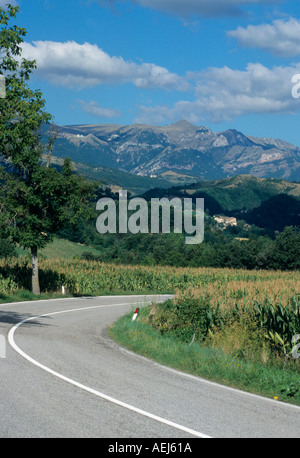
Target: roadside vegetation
{"type": "Point", "coordinates": [239, 337]}
{"type": "Point", "coordinates": [241, 366]}
{"type": "Point", "coordinates": [232, 326]}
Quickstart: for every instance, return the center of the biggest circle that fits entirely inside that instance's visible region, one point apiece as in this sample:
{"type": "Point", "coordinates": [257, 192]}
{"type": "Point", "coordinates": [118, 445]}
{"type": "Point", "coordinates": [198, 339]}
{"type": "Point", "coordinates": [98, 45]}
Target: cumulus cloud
{"type": "Point", "coordinates": [96, 110]}
{"type": "Point", "coordinates": [281, 38]}
{"type": "Point", "coordinates": [184, 8]}
{"type": "Point", "coordinates": [74, 65]}
{"type": "Point", "coordinates": [223, 94]}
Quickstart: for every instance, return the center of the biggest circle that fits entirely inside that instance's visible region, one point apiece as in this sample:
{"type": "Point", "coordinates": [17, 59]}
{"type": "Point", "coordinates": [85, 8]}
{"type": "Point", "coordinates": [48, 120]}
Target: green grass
{"type": "Point", "coordinates": [62, 249]}
{"type": "Point", "coordinates": [25, 295]}
{"type": "Point", "coordinates": [206, 362]}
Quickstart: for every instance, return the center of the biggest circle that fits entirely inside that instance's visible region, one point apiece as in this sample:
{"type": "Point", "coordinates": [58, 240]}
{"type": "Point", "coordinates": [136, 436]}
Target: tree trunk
{"type": "Point", "coordinates": [35, 271]}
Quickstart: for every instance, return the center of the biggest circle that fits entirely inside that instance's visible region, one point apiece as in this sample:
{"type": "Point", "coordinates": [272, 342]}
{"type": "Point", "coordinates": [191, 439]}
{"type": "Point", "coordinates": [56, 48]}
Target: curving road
{"type": "Point", "coordinates": [63, 377]}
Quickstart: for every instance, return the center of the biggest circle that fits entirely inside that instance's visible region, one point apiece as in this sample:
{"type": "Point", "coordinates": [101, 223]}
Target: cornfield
{"type": "Point", "coordinates": [226, 287]}
{"type": "Point", "coordinates": [271, 298]}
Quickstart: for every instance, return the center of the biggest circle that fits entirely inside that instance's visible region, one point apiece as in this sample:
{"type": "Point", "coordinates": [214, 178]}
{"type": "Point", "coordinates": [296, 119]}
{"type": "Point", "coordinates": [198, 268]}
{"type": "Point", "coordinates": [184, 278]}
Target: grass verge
{"type": "Point", "coordinates": [206, 362]}
{"type": "Point", "coordinates": [25, 295]}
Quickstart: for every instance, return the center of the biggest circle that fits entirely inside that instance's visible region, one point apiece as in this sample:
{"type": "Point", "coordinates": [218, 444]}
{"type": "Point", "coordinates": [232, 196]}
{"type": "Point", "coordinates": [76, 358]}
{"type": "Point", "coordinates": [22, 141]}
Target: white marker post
{"type": "Point", "coordinates": [135, 314]}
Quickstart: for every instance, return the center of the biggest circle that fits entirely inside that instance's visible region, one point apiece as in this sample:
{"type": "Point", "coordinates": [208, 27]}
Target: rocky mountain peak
{"type": "Point", "coordinates": [183, 124]}
{"type": "Point", "coordinates": [181, 147]}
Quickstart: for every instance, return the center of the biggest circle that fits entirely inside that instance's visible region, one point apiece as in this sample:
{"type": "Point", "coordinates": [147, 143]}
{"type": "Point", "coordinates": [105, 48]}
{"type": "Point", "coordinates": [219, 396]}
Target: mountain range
{"type": "Point", "coordinates": [178, 150]}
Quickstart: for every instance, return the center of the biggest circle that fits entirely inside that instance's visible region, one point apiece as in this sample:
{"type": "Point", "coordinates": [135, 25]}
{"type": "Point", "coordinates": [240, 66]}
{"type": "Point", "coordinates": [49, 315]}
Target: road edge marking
{"type": "Point", "coordinates": [84, 387]}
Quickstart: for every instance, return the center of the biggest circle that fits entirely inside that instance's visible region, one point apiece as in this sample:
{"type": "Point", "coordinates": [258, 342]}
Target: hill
{"type": "Point", "coordinates": [276, 213]}
{"type": "Point", "coordinates": [62, 249]}
{"type": "Point", "coordinates": [267, 203]}
{"type": "Point", "coordinates": [242, 192]}
{"type": "Point", "coordinates": [118, 179]}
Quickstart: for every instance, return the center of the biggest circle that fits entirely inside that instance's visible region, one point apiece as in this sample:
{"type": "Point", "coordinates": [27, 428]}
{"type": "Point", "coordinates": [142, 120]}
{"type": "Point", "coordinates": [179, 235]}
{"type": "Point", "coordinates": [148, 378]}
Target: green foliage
{"type": "Point", "coordinates": [286, 251]}
{"type": "Point", "coordinates": [22, 110]}
{"type": "Point", "coordinates": [22, 116]}
{"type": "Point", "coordinates": [276, 213]}
{"type": "Point", "coordinates": [218, 249]}
{"type": "Point", "coordinates": [185, 317]}
{"type": "Point", "coordinates": [36, 200]}
{"type": "Point", "coordinates": [41, 203]}
{"type": "Point", "coordinates": [7, 285]}
{"type": "Point", "coordinates": [290, 390]}
{"type": "Point", "coordinates": [281, 322]}
{"type": "Point", "coordinates": [7, 249]}
{"type": "Point", "coordinates": [195, 314]}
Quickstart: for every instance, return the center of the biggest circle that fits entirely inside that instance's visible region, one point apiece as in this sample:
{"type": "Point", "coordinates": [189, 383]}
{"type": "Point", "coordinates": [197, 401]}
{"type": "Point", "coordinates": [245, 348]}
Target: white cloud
{"type": "Point", "coordinates": [96, 110]}
{"type": "Point", "coordinates": [223, 94]}
{"type": "Point", "coordinates": [282, 38]}
{"type": "Point", "coordinates": [185, 8]}
{"type": "Point", "coordinates": [74, 65]}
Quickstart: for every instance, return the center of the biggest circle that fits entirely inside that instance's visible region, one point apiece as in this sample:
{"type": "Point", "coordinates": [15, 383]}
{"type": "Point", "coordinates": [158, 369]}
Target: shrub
{"type": "Point", "coordinates": [184, 317]}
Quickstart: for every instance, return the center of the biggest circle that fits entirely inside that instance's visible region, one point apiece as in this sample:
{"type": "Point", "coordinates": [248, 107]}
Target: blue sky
{"type": "Point", "coordinates": [219, 63]}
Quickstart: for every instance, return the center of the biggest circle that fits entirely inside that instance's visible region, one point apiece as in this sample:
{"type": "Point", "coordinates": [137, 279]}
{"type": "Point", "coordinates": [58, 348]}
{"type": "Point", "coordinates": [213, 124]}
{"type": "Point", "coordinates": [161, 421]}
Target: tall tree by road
{"type": "Point", "coordinates": [35, 199]}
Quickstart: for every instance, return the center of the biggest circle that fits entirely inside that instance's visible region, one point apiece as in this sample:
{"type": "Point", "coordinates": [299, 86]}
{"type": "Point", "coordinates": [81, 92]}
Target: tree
{"type": "Point", "coordinates": [286, 250]}
{"type": "Point", "coordinates": [37, 199]}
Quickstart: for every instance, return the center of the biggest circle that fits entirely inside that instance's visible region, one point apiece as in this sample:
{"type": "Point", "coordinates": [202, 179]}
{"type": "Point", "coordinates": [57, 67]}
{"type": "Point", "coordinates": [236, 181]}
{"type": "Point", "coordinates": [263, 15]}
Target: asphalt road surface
{"type": "Point", "coordinates": [61, 376]}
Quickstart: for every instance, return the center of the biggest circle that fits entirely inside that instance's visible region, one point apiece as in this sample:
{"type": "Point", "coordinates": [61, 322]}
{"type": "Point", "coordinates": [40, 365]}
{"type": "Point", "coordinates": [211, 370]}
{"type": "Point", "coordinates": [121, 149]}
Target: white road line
{"type": "Point", "coordinates": [86, 388]}
{"type": "Point", "coordinates": [137, 296]}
